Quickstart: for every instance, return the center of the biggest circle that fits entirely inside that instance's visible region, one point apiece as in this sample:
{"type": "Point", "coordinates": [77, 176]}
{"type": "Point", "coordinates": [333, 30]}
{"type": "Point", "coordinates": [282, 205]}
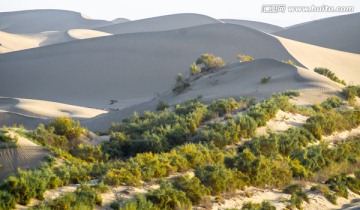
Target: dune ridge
{"type": "Point", "coordinates": [343, 64]}
{"type": "Point", "coordinates": [109, 62]}
{"type": "Point", "coordinates": [161, 23]}
{"type": "Point", "coordinates": [260, 26]}
{"type": "Point", "coordinates": [339, 33]}
{"type": "Point", "coordinates": [22, 22]}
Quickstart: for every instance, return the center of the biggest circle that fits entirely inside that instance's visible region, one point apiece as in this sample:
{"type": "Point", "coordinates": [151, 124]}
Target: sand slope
{"type": "Point", "coordinates": [126, 67]}
{"type": "Point", "coordinates": [36, 21]}
{"type": "Point", "coordinates": [26, 156]}
{"type": "Point", "coordinates": [340, 33]}
{"type": "Point", "coordinates": [345, 65]}
{"type": "Point", "coordinates": [15, 42]}
{"type": "Point", "coordinates": [162, 23]}
{"type": "Point", "coordinates": [264, 27]}
{"type": "Point", "coordinates": [45, 109]}
{"type": "Point", "coordinates": [237, 80]}
{"type": "Point", "coordinates": [86, 33]}
{"type": "Point", "coordinates": [120, 20]}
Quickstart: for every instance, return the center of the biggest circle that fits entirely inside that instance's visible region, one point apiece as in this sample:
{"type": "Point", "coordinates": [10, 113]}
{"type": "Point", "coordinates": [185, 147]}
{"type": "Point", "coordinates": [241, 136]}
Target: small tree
{"type": "Point", "coordinates": [194, 69]}
{"type": "Point", "coordinates": [210, 61]}
{"type": "Point", "coordinates": [244, 58]}
{"type": "Point", "coordinates": [265, 80]}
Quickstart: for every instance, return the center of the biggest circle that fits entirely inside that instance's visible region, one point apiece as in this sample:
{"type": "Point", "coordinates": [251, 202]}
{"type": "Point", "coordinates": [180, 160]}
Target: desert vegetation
{"type": "Point", "coordinates": [193, 137]}
{"type": "Point", "coordinates": [327, 73]}
{"type": "Point", "coordinates": [244, 58]}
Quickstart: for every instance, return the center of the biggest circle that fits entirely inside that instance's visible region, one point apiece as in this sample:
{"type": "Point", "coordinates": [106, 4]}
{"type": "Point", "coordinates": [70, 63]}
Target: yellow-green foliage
{"type": "Point", "coordinates": [195, 69]}
{"type": "Point", "coordinates": [192, 187]}
{"type": "Point", "coordinates": [219, 179]}
{"type": "Point", "coordinates": [166, 197]}
{"type": "Point", "coordinates": [327, 73]}
{"type": "Point", "coordinates": [65, 126]}
{"type": "Point", "coordinates": [210, 61]}
{"type": "Point", "coordinates": [244, 58]}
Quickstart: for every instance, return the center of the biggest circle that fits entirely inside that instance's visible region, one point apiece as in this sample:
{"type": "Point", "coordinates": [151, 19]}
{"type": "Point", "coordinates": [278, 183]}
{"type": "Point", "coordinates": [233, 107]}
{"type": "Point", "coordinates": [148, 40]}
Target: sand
{"type": "Point", "coordinates": [86, 33]}
{"type": "Point", "coordinates": [162, 23]}
{"type": "Point", "coordinates": [237, 80]}
{"type": "Point", "coordinates": [27, 155]}
{"type": "Point", "coordinates": [22, 22]}
{"type": "Point", "coordinates": [92, 72]}
{"type": "Point", "coordinates": [339, 33]}
{"type": "Point", "coordinates": [345, 65]}
{"type": "Point", "coordinates": [264, 27]}
{"type": "Point", "coordinates": [46, 109]}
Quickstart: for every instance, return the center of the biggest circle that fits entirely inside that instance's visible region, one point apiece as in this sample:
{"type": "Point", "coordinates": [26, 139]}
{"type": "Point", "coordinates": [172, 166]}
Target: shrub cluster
{"type": "Point", "coordinates": [351, 92]}
{"type": "Point", "coordinates": [327, 73]}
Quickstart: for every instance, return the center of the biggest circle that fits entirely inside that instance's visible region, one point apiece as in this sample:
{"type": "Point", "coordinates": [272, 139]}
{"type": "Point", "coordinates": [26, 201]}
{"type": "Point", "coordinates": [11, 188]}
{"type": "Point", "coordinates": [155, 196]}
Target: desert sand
{"type": "Point", "coordinates": [109, 62]}
{"type": "Point", "coordinates": [264, 27]}
{"type": "Point", "coordinates": [73, 59]}
{"type": "Point", "coordinates": [339, 33]}
{"type": "Point", "coordinates": [344, 64]}
{"type": "Point", "coordinates": [162, 23]}
{"type": "Point", "coordinates": [21, 22]}
{"type": "Point", "coordinates": [27, 155]}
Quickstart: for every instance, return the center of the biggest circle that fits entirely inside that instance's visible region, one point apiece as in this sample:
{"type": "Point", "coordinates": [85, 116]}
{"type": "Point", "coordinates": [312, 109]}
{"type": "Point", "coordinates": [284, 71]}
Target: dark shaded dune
{"type": "Point", "coordinates": [11, 119]}
{"type": "Point", "coordinates": [263, 27]}
{"type": "Point", "coordinates": [130, 68]}
{"type": "Point", "coordinates": [339, 33]}
{"type": "Point", "coordinates": [120, 20]}
{"type": "Point", "coordinates": [237, 80]}
{"type": "Point", "coordinates": [35, 21]}
{"type": "Point", "coordinates": [162, 23]}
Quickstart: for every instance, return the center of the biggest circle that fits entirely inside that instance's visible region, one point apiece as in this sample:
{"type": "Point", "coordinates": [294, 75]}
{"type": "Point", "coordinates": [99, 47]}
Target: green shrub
{"type": "Point", "coordinates": [166, 197]}
{"type": "Point", "coordinates": [7, 201]}
{"type": "Point", "coordinates": [291, 93]}
{"type": "Point", "coordinates": [323, 189]}
{"type": "Point", "coordinates": [350, 92]}
{"type": "Point", "coordinates": [116, 177]}
{"type": "Point", "coordinates": [192, 187]}
{"type": "Point", "coordinates": [297, 195]}
{"type": "Point", "coordinates": [28, 184]}
{"type": "Point", "coordinates": [327, 73]}
{"type": "Point", "coordinates": [220, 179]}
{"type": "Point", "coordinates": [161, 106]}
{"type": "Point", "coordinates": [265, 80]}
{"type": "Point", "coordinates": [332, 102]}
{"type": "Point", "coordinates": [265, 205]}
{"type": "Point", "coordinates": [83, 198]}
{"type": "Point", "coordinates": [65, 126]}
{"type": "Point", "coordinates": [140, 202]}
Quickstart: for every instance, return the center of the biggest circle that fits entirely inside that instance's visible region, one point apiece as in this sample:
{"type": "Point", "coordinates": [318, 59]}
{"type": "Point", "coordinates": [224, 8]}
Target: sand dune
{"type": "Point", "coordinates": [120, 20]}
{"type": "Point", "coordinates": [36, 21]}
{"type": "Point", "coordinates": [264, 27]}
{"type": "Point", "coordinates": [162, 23]}
{"type": "Point", "coordinates": [345, 65]}
{"type": "Point", "coordinates": [237, 80]}
{"type": "Point", "coordinates": [26, 156]}
{"type": "Point", "coordinates": [36, 108]}
{"type": "Point", "coordinates": [92, 72]}
{"type": "Point", "coordinates": [86, 33]}
{"type": "Point", "coordinates": [340, 33]}
{"type": "Point", "coordinates": [15, 42]}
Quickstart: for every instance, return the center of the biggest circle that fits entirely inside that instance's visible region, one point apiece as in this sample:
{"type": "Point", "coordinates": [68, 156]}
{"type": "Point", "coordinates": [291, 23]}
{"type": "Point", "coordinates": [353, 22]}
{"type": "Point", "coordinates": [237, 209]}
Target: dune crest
{"type": "Point", "coordinates": [47, 109]}
{"type": "Point", "coordinates": [343, 64]}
